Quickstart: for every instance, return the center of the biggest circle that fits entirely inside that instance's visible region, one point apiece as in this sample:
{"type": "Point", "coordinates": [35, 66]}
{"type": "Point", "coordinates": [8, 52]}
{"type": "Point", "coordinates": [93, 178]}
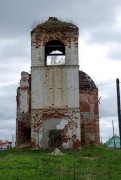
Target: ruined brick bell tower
{"type": "Point", "coordinates": [55, 112]}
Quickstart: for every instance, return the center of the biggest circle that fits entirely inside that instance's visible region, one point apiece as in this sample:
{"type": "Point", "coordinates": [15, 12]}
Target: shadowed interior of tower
{"type": "Point", "coordinates": [55, 53]}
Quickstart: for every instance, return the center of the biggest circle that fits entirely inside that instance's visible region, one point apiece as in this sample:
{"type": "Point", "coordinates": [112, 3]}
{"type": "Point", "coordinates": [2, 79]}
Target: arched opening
{"type": "Point", "coordinates": [52, 132]}
{"type": "Point", "coordinates": [55, 53]}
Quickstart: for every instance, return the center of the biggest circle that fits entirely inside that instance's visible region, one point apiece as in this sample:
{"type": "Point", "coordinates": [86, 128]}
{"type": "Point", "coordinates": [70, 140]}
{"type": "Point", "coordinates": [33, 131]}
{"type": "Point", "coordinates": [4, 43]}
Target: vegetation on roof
{"type": "Point", "coordinates": [53, 22]}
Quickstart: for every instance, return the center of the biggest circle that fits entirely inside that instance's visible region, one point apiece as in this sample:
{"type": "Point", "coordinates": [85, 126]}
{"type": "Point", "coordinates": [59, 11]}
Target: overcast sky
{"type": "Point", "coordinates": [99, 23]}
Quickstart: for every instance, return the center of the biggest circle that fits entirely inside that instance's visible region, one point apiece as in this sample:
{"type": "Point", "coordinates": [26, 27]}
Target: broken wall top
{"type": "Point", "coordinates": [53, 24]}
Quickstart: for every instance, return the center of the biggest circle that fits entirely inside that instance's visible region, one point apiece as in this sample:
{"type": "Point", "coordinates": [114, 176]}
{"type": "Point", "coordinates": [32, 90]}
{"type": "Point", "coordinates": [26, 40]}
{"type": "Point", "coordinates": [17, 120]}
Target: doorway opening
{"type": "Point", "coordinates": [27, 134]}
{"type": "Point", "coordinates": [55, 138]}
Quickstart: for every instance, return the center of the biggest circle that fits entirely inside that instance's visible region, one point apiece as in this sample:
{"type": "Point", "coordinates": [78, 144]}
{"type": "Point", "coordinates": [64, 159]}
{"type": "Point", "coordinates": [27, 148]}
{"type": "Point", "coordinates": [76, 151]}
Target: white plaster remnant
{"type": "Point", "coordinates": [57, 152]}
{"type": "Point", "coordinates": [62, 124]}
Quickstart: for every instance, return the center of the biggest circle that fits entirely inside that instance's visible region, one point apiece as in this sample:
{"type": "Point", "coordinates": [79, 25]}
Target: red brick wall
{"type": "Point", "coordinates": [89, 116]}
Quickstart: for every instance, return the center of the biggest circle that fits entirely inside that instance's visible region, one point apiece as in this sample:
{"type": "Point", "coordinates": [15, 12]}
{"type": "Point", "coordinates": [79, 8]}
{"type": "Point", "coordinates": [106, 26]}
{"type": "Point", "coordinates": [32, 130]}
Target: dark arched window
{"type": "Point", "coordinates": [55, 53]}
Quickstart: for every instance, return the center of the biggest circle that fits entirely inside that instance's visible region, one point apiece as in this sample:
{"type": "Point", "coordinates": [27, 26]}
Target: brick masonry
{"type": "Point", "coordinates": [56, 105]}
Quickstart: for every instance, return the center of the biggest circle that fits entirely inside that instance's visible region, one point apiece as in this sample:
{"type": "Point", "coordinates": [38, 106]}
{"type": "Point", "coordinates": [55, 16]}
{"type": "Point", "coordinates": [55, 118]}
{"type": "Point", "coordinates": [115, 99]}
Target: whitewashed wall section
{"type": "Point", "coordinates": [55, 87]}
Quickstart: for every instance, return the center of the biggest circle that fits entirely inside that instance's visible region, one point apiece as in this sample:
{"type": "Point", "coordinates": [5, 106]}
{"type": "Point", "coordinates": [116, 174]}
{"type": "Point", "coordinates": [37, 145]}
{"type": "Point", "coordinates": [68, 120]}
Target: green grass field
{"type": "Point", "coordinates": [90, 163]}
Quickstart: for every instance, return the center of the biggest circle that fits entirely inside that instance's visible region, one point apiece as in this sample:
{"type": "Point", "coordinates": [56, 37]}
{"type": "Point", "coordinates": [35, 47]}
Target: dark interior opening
{"type": "Point", "coordinates": [27, 134]}
{"type": "Point", "coordinates": [55, 53]}
{"type": "Point", "coordinates": [55, 138]}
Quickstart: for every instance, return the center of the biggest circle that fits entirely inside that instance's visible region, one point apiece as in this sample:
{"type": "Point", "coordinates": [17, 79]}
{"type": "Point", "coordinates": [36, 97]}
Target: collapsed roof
{"type": "Point", "coordinates": [85, 81]}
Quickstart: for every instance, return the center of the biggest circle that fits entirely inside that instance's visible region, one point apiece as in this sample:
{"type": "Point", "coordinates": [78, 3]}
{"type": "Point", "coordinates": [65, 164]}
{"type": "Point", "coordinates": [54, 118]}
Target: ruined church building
{"type": "Point", "coordinates": [57, 105]}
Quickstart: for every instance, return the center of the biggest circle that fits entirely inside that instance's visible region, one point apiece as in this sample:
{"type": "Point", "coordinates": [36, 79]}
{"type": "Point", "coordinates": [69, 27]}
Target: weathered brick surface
{"type": "Point", "coordinates": [59, 98]}
{"type": "Point", "coordinates": [55, 89]}
{"type": "Point", "coordinates": [89, 111]}
{"type": "Point", "coordinates": [67, 121]}
{"type": "Point", "coordinates": [54, 30]}
{"type": "Point", "coordinates": [23, 121]}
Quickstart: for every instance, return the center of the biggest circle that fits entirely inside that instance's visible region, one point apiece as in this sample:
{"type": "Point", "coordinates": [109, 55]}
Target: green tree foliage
{"type": "Point", "coordinates": [57, 60]}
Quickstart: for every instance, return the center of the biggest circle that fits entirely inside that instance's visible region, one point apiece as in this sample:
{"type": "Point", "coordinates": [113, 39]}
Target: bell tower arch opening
{"type": "Point", "coordinates": [54, 53]}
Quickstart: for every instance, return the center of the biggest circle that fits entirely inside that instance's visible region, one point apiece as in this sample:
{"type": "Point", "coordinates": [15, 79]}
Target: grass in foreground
{"type": "Point", "coordinates": [90, 163]}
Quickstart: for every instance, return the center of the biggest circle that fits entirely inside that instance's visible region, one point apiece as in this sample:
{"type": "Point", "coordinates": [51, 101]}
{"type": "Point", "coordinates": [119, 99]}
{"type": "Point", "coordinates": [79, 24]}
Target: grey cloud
{"type": "Point", "coordinates": [14, 58]}
{"type": "Point", "coordinates": [108, 102]}
{"type": "Point", "coordinates": [14, 54]}
{"type": "Point", "coordinates": [104, 35]}
{"type": "Point", "coordinates": [18, 16]}
{"type": "Point", "coordinates": [7, 102]}
{"type": "Point", "coordinates": [10, 122]}
{"type": "Point", "coordinates": [7, 130]}
{"type": "Point", "coordinates": [108, 107]}
{"type": "Point", "coordinates": [8, 109]}
{"type": "Point", "coordinates": [17, 48]}
{"type": "Point", "coordinates": [10, 87]}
